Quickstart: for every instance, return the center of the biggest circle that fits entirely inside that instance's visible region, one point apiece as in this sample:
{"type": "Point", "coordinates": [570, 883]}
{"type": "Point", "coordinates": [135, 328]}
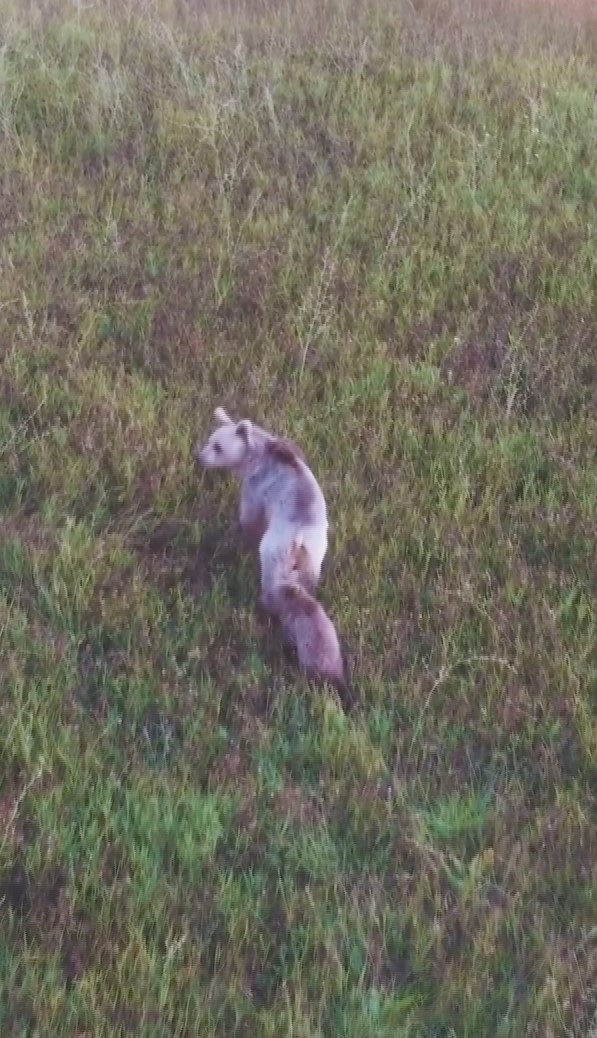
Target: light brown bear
{"type": "Point", "coordinates": [283, 514]}
{"type": "Point", "coordinates": [282, 508]}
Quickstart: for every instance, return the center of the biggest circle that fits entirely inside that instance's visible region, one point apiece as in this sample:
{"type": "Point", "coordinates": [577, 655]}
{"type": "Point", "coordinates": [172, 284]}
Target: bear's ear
{"type": "Point", "coordinates": [221, 417]}
{"type": "Point", "coordinates": [244, 429]}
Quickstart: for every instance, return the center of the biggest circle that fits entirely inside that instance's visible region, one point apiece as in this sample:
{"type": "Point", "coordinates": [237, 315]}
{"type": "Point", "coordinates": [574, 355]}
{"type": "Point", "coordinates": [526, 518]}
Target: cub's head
{"type": "Point", "coordinates": [228, 446]}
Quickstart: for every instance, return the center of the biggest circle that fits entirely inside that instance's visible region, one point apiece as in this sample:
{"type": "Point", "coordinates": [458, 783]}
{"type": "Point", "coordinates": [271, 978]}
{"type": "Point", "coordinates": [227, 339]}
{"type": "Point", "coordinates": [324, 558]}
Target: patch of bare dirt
{"type": "Point", "coordinates": [43, 906]}
{"type": "Point", "coordinates": [297, 807]}
{"type": "Point", "coordinates": [265, 963]}
{"type": "Point", "coordinates": [230, 769]}
{"type": "Point", "coordinates": [475, 362]}
{"type": "Point", "coordinates": [29, 529]}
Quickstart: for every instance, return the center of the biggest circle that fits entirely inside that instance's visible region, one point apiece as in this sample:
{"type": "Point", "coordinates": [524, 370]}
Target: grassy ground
{"type": "Point", "coordinates": [374, 231]}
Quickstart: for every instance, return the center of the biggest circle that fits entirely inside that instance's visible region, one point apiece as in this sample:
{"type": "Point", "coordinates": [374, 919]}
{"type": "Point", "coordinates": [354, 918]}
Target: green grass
{"type": "Point", "coordinates": [375, 231]}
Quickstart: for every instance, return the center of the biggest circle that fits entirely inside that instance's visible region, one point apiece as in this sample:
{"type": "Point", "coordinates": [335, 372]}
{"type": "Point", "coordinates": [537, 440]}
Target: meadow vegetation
{"type": "Point", "coordinates": [372, 228]}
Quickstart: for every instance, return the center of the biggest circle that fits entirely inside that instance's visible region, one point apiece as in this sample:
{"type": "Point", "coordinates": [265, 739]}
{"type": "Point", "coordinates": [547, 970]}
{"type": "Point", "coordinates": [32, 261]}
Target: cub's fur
{"type": "Point", "coordinates": [307, 628]}
{"type": "Point", "coordinates": [306, 625]}
{"type": "Point", "coordinates": [282, 508]}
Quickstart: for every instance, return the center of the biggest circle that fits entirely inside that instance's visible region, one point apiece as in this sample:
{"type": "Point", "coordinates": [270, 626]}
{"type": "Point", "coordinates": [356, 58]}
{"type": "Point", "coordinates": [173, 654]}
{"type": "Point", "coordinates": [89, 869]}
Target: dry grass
{"type": "Point", "coordinates": [373, 228]}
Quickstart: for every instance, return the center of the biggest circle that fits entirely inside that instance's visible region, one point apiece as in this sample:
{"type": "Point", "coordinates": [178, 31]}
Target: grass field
{"type": "Point", "coordinates": [374, 230]}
